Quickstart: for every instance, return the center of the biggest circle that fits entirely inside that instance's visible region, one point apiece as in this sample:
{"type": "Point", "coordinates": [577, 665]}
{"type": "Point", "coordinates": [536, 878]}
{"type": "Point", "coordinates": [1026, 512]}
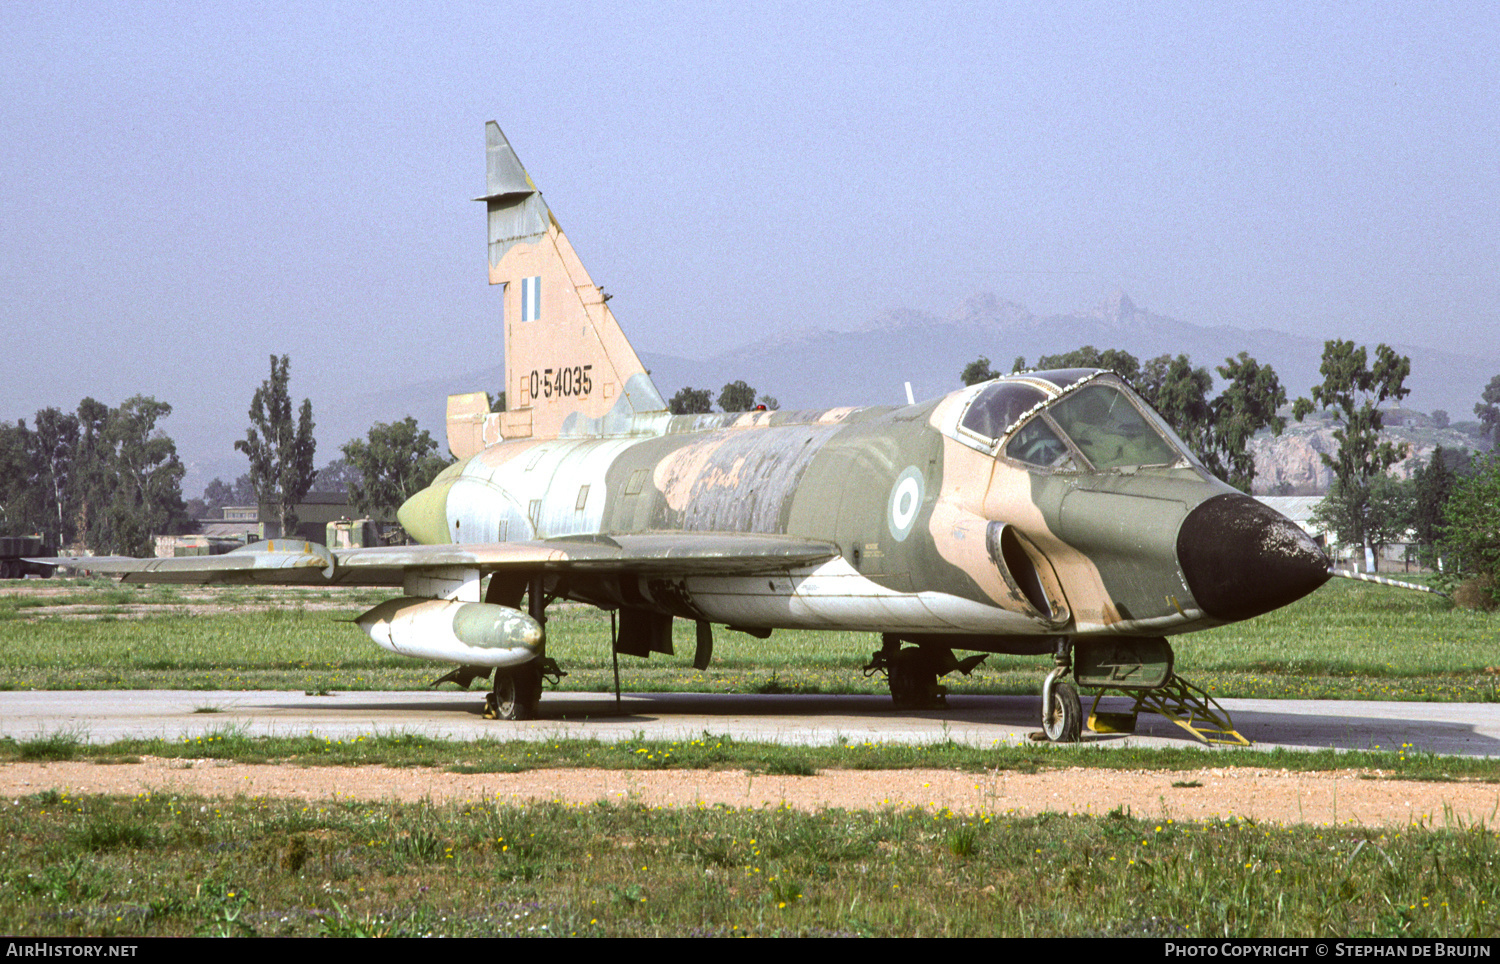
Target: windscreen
{"type": "Point", "coordinates": [1109, 430]}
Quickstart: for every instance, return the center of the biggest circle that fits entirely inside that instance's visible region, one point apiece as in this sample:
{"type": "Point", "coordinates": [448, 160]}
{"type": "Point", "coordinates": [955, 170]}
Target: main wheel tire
{"type": "Point", "coordinates": [1062, 722]}
{"type": "Point", "coordinates": [516, 694]}
{"type": "Point", "coordinates": [913, 680]}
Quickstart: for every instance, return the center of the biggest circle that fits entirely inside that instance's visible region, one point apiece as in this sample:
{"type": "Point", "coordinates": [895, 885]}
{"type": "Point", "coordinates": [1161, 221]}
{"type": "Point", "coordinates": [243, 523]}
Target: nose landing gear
{"type": "Point", "coordinates": [1062, 712]}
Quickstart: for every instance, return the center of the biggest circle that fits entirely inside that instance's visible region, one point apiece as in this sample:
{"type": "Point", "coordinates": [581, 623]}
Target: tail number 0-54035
{"type": "Point", "coordinates": [561, 382]}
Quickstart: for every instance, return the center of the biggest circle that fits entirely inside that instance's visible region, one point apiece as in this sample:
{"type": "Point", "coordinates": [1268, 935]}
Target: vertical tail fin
{"type": "Point", "coordinates": [568, 367]}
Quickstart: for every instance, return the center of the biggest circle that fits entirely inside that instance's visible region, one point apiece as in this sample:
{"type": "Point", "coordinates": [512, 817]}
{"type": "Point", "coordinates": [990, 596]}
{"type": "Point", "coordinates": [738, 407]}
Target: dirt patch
{"type": "Point", "coordinates": [1275, 796]}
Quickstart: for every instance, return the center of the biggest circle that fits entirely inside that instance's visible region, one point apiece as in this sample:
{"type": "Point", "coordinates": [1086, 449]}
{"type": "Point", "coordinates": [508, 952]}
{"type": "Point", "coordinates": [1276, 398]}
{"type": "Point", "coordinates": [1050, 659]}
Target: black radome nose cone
{"type": "Point", "coordinates": [1242, 558]}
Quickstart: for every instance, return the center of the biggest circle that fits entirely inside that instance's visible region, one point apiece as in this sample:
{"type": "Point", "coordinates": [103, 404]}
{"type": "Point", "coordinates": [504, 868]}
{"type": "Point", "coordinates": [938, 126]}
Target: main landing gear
{"type": "Point", "coordinates": [516, 694]}
{"type": "Point", "coordinates": [517, 690]}
{"type": "Point", "coordinates": [913, 672]}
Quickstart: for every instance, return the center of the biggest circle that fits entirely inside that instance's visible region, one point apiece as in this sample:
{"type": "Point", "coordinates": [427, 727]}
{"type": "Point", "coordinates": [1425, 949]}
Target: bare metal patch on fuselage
{"type": "Point", "coordinates": [739, 480]}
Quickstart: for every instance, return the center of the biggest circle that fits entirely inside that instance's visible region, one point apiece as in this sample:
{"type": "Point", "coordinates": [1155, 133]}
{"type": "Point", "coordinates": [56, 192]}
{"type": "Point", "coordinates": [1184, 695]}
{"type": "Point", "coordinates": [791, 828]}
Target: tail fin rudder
{"type": "Point", "coordinates": [568, 366]}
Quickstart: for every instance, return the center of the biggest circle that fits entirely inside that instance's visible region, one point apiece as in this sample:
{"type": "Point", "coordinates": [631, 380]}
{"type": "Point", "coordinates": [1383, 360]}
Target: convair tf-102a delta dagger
{"type": "Point", "coordinates": [1049, 513]}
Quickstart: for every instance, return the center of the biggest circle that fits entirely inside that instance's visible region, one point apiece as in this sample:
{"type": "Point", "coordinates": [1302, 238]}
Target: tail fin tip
{"type": "Point", "coordinates": [568, 366]}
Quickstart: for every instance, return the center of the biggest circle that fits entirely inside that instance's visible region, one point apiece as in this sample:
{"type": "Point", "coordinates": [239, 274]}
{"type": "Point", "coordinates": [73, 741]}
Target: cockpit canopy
{"type": "Point", "coordinates": [1076, 419]}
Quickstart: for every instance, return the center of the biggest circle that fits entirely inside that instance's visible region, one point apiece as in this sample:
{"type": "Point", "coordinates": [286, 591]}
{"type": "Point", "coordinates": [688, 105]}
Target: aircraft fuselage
{"type": "Point", "coordinates": [939, 532]}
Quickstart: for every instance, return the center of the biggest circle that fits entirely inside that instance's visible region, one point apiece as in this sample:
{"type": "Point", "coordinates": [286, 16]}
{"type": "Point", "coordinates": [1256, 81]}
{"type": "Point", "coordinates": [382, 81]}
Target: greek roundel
{"type": "Point", "coordinates": [904, 503]}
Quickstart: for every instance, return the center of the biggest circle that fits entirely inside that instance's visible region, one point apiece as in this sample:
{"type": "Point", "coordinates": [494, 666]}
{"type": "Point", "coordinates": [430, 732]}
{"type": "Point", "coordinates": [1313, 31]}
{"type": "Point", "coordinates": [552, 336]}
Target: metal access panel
{"type": "Point", "coordinates": [1127, 663]}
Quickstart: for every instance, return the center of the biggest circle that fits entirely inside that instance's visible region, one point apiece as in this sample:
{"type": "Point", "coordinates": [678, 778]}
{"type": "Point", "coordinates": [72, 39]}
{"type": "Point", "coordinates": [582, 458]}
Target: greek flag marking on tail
{"type": "Point", "coordinates": [531, 298]}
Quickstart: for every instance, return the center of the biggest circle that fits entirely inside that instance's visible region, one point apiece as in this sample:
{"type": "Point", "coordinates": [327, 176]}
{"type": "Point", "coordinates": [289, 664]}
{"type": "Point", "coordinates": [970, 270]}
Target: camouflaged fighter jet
{"type": "Point", "coordinates": [1046, 513]}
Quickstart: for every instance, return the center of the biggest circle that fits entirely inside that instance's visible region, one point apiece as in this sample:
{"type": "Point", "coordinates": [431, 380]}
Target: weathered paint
{"type": "Point", "coordinates": [917, 508]}
{"type": "Point", "coordinates": [978, 515]}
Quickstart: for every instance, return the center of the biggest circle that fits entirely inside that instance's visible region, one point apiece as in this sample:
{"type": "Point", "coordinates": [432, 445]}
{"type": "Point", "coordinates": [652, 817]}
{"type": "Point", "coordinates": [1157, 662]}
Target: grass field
{"type": "Point", "coordinates": [161, 864]}
{"type": "Point", "coordinates": [1346, 641]}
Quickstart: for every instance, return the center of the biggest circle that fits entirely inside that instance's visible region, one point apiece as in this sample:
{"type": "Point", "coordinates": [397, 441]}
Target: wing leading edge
{"type": "Point", "coordinates": [293, 562]}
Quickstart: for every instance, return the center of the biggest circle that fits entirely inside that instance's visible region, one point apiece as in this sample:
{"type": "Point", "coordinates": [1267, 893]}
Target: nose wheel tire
{"type": "Point", "coordinates": [1062, 722]}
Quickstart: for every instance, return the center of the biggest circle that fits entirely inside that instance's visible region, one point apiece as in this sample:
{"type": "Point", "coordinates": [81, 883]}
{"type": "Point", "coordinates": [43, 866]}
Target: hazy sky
{"type": "Point", "coordinates": [187, 188]}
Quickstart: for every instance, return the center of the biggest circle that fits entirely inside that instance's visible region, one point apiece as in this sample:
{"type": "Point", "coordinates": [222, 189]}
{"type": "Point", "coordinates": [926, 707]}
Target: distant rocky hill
{"type": "Point", "coordinates": [812, 367]}
{"type": "Point", "coordinates": [819, 367]}
{"type": "Point", "coordinates": [1291, 464]}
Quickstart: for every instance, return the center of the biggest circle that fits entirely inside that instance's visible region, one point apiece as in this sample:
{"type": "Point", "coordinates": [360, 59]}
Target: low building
{"type": "Point", "coordinates": [318, 511]}
{"type": "Point", "coordinates": [322, 517]}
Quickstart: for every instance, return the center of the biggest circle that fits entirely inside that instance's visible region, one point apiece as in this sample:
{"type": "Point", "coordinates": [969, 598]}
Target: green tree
{"type": "Point", "coordinates": [244, 490]}
{"type": "Point", "coordinates": [691, 401]}
{"type": "Point", "coordinates": [1217, 429]}
{"type": "Point", "coordinates": [280, 450]}
{"type": "Point", "coordinates": [769, 402]}
{"type": "Point", "coordinates": [1179, 392]}
{"type": "Point", "coordinates": [1392, 511]}
{"type": "Point", "coordinates": [1383, 517]}
{"type": "Point", "coordinates": [337, 477]}
{"type": "Point", "coordinates": [1248, 403]}
{"type": "Point", "coordinates": [1151, 377]}
{"type": "Point", "coordinates": [393, 463]}
{"type": "Point", "coordinates": [54, 449]}
{"type": "Point", "coordinates": [217, 494]}
{"type": "Point", "coordinates": [1432, 488]}
{"type": "Point", "coordinates": [145, 478]}
{"type": "Point", "coordinates": [977, 371]}
{"type": "Point", "coordinates": [1488, 410]}
{"type": "Point", "coordinates": [737, 397]}
{"type": "Point", "coordinates": [1352, 390]}
{"type": "Point", "coordinates": [1122, 363]}
{"type": "Point", "coordinates": [51, 476]}
{"type": "Point", "coordinates": [15, 477]}
{"type": "Point", "coordinates": [92, 483]}
{"type": "Point", "coordinates": [30, 500]}
{"type": "Point", "coordinates": [1470, 544]}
